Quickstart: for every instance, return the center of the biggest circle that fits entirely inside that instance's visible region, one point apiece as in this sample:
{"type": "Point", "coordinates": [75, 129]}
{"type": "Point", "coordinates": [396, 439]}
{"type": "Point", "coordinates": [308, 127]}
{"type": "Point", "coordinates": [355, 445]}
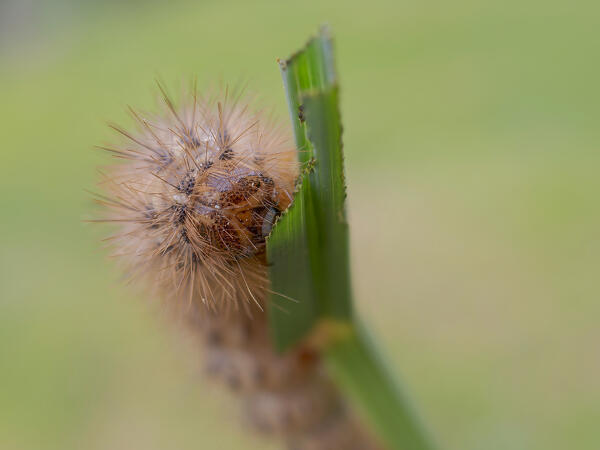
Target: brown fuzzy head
{"type": "Point", "coordinates": [198, 192]}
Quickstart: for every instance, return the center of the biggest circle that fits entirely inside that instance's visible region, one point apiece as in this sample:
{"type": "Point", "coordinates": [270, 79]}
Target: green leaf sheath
{"type": "Point", "coordinates": [309, 258]}
{"type": "Point", "coordinates": [308, 248]}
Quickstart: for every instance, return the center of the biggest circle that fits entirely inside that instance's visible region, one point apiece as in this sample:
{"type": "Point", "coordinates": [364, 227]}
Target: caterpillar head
{"type": "Point", "coordinates": [195, 196]}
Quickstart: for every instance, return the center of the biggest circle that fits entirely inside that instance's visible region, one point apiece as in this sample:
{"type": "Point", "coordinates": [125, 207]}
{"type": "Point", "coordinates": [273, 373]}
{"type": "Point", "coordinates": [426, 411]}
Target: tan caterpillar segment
{"type": "Point", "coordinates": [287, 395]}
{"type": "Point", "coordinates": [197, 191]}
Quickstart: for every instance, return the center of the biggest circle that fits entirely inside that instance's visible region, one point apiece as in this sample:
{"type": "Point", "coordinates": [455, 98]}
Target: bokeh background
{"type": "Point", "coordinates": [472, 149]}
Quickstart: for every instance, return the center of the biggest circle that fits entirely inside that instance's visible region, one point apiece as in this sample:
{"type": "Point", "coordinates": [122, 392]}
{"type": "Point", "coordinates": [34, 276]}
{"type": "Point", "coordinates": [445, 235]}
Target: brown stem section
{"type": "Point", "coordinates": [287, 395]}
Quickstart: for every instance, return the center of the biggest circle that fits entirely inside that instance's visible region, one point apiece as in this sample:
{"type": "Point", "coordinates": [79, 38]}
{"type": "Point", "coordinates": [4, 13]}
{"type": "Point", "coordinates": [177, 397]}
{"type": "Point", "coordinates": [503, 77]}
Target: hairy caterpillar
{"type": "Point", "coordinates": [197, 193]}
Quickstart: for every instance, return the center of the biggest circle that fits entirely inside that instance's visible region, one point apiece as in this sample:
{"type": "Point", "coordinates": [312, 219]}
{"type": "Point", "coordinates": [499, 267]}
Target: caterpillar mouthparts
{"type": "Point", "coordinates": [200, 190]}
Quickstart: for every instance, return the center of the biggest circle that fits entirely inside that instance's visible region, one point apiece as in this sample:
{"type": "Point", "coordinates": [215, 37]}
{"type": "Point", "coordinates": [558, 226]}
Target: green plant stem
{"type": "Point", "coordinates": [358, 368]}
{"type": "Point", "coordinates": [309, 258]}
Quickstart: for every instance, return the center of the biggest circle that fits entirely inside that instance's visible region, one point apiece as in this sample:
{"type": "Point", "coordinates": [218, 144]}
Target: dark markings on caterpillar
{"type": "Point", "coordinates": [179, 213]}
{"type": "Point", "coordinates": [196, 260]}
{"type": "Point", "coordinates": [189, 141]}
{"type": "Point", "coordinates": [258, 374]}
{"type": "Point", "coordinates": [164, 158]}
{"type": "Point", "coordinates": [184, 236]}
{"type": "Point", "coordinates": [226, 154]}
{"type": "Point", "coordinates": [150, 217]}
{"type": "Point", "coordinates": [187, 183]}
{"type": "Point", "coordinates": [168, 249]}
{"type": "Point", "coordinates": [246, 331]}
{"type": "Point", "coordinates": [286, 418]}
{"type": "Point", "coordinates": [267, 180]}
{"type": "Point", "coordinates": [214, 337]}
{"type": "Point", "coordinates": [234, 382]}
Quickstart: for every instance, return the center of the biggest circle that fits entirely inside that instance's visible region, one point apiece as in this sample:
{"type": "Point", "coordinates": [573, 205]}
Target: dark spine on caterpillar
{"type": "Point", "coordinates": [197, 192]}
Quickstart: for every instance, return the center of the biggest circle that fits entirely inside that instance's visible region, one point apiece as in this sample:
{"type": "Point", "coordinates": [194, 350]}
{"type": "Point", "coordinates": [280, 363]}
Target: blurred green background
{"type": "Point", "coordinates": [471, 140]}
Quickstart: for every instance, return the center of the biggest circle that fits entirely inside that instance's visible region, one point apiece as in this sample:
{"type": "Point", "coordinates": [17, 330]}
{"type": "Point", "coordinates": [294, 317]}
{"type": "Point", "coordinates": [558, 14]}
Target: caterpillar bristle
{"type": "Point", "coordinates": [195, 194]}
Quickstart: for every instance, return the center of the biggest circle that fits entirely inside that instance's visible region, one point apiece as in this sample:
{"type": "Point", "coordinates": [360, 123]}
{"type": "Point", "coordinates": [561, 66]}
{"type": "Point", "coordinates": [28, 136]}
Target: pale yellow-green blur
{"type": "Point", "coordinates": [472, 138]}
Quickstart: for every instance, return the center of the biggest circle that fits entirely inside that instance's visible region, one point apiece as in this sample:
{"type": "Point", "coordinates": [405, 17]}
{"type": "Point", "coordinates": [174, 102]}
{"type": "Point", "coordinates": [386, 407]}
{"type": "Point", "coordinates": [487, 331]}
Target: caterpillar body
{"type": "Point", "coordinates": [198, 191]}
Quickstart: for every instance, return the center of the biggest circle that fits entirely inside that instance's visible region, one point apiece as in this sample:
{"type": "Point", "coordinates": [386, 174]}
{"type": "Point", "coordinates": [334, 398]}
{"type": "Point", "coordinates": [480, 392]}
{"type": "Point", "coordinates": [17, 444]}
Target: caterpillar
{"type": "Point", "coordinates": [197, 191]}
